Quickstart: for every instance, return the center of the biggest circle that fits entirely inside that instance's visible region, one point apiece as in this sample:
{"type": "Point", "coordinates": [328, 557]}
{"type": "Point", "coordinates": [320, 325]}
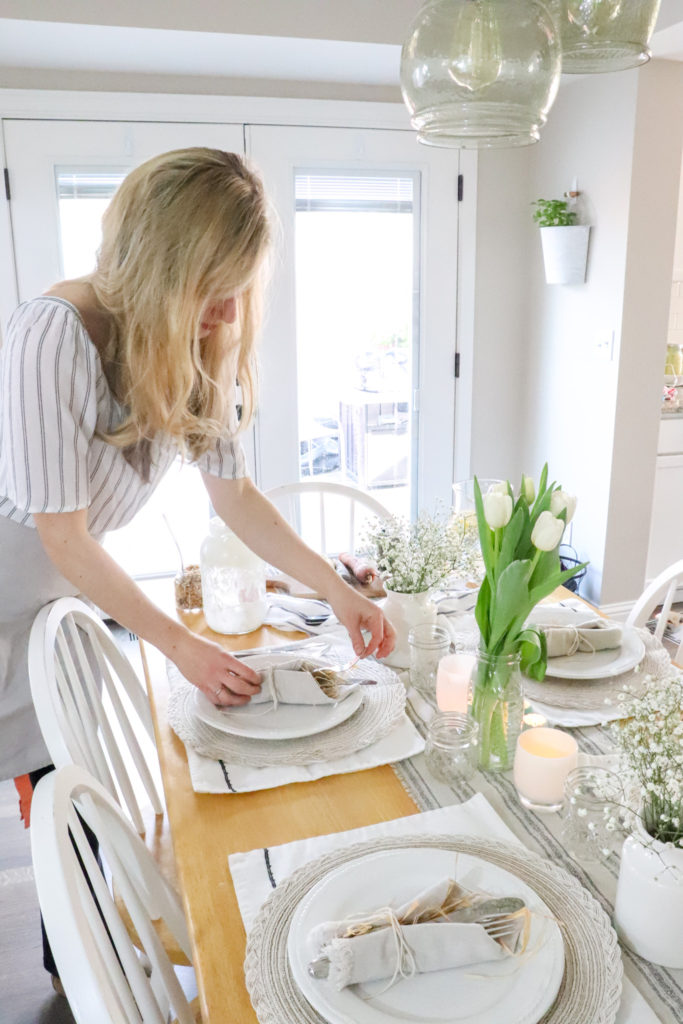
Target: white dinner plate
{"type": "Point", "coordinates": [559, 615]}
{"type": "Point", "coordinates": [516, 992]}
{"type": "Point", "coordinates": [600, 664]}
{"type": "Point", "coordinates": [289, 721]}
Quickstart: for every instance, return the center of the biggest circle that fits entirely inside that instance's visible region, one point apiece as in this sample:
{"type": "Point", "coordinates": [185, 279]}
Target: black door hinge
{"type": "Point", "coordinates": [7, 191]}
{"type": "Point", "coordinates": [457, 364]}
{"type": "Point", "coordinates": [461, 183]}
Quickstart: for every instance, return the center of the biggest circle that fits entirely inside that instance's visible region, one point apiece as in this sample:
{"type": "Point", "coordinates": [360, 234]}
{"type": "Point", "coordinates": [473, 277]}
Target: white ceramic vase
{"type": "Point", "coordinates": [405, 611]}
{"type": "Point", "coordinates": [648, 912]}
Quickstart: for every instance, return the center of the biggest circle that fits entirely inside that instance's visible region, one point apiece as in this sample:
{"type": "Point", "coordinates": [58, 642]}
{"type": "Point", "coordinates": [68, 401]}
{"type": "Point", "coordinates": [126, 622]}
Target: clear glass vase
{"type": "Point", "coordinates": [498, 707]}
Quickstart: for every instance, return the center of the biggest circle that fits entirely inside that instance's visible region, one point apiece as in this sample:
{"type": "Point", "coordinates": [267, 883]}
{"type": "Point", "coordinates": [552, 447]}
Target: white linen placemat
{"type": "Point", "coordinates": [256, 873]}
{"type": "Point", "coordinates": [211, 776]}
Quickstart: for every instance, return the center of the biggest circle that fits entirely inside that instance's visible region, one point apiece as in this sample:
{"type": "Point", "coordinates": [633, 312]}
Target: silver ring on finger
{"type": "Point", "coordinates": [218, 691]}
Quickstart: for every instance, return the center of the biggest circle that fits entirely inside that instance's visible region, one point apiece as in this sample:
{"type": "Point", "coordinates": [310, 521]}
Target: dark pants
{"type": "Point", "coordinates": [48, 959]}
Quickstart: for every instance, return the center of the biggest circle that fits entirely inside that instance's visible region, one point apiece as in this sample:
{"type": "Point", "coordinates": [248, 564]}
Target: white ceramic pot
{"type": "Point", "coordinates": [648, 912]}
{"type": "Point", "coordinates": [405, 611]}
{"type": "Point", "coordinates": [565, 253]}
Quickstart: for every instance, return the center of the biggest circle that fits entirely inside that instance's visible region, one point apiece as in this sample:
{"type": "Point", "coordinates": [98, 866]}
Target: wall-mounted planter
{"type": "Point", "coordinates": [565, 253]}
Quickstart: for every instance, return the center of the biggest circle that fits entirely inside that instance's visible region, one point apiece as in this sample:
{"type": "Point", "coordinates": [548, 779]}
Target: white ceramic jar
{"type": "Point", "coordinates": [233, 582]}
{"type": "Point", "coordinates": [648, 912]}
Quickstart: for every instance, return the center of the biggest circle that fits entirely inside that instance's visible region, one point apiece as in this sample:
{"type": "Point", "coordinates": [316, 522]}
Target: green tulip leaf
{"type": "Point", "coordinates": [485, 541]}
{"type": "Point", "coordinates": [481, 611]}
{"type": "Point", "coordinates": [512, 596]}
{"type": "Point", "coordinates": [534, 651]}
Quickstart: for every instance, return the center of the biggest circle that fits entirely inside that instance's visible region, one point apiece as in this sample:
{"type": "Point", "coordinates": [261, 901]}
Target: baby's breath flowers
{"type": "Point", "coordinates": [650, 739]}
{"type": "Point", "coordinates": [414, 557]}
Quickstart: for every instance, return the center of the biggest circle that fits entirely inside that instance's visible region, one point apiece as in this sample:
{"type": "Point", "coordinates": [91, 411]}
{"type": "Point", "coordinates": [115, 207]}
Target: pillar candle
{"type": "Point", "coordinates": [543, 759]}
{"type": "Point", "coordinates": [453, 677]}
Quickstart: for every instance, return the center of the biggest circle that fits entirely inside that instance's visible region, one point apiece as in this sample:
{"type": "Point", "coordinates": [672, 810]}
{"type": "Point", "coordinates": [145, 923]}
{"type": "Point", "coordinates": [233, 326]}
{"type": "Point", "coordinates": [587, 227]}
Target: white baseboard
{"type": "Point", "coordinates": [617, 611]}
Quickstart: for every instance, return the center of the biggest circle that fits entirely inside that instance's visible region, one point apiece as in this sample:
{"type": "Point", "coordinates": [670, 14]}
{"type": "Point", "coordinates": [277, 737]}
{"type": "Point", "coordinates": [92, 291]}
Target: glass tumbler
{"type": "Point", "coordinates": [593, 797]}
{"type": "Point", "coordinates": [428, 644]}
{"type": "Point", "coordinates": [451, 748]}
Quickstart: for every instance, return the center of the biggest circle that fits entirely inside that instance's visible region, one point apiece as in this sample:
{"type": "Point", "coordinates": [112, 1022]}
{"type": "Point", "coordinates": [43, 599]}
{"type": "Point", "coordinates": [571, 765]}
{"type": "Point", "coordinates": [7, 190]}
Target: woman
{"type": "Point", "coordinates": [104, 380]}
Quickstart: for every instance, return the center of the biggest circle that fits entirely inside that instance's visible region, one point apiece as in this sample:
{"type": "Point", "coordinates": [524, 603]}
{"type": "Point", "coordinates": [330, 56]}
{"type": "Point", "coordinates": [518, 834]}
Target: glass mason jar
{"type": "Point", "coordinates": [498, 707]}
{"type": "Point", "coordinates": [428, 644]}
{"type": "Point", "coordinates": [451, 748]}
{"type": "Point", "coordinates": [233, 582]}
{"type": "Point", "coordinates": [593, 798]}
{"type": "Point", "coordinates": [403, 612]}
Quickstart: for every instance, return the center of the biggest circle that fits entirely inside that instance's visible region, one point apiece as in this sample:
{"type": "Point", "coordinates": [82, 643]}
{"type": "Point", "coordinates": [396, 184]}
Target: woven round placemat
{"type": "Point", "coordinates": [598, 694]}
{"type": "Point", "coordinates": [381, 710]}
{"type": "Point", "coordinates": [591, 987]}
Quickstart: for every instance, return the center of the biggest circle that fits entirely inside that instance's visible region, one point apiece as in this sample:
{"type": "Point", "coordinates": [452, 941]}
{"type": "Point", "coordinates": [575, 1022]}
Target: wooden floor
{"type": "Point", "coordinates": [26, 995]}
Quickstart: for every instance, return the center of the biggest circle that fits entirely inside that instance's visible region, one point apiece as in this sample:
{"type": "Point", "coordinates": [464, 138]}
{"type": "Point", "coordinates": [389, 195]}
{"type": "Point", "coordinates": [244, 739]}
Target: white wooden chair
{"type": "Point", "coordinates": [93, 711]}
{"type": "Point", "coordinates": [662, 591]}
{"type": "Point", "coordinates": [103, 976]}
{"type": "Point", "coordinates": [329, 516]}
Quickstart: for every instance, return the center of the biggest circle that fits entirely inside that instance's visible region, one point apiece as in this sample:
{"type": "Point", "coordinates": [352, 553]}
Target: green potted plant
{"type": "Point", "coordinates": [565, 243]}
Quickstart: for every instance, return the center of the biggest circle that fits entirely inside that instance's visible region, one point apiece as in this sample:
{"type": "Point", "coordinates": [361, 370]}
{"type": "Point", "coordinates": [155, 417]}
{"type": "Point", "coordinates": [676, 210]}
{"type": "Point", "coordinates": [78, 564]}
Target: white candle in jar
{"type": "Point", "coordinates": [453, 678]}
{"type": "Point", "coordinates": [543, 760]}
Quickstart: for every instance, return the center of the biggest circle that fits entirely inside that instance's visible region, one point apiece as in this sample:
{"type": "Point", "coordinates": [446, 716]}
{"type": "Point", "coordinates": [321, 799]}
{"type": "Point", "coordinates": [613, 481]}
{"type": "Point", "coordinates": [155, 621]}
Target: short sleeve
{"type": "Point", "coordinates": [226, 458]}
{"type": "Point", "coordinates": [49, 409]}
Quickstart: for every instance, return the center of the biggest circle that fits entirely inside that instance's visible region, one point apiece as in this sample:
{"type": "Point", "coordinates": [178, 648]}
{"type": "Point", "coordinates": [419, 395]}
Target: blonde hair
{"type": "Point", "coordinates": [184, 230]}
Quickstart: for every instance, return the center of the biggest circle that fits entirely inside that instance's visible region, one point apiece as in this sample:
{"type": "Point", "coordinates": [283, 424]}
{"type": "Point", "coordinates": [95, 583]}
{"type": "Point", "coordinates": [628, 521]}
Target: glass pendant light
{"type": "Point", "coordinates": [604, 35]}
{"type": "Point", "coordinates": [480, 73]}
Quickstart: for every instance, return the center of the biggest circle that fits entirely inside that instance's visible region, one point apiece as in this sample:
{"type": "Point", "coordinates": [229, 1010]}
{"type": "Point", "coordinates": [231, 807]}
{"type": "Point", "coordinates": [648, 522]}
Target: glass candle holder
{"type": "Point", "coordinates": [592, 800]}
{"type": "Point", "coordinates": [451, 748]}
{"type": "Point", "coordinates": [543, 760]}
{"type": "Point", "coordinates": [428, 644]}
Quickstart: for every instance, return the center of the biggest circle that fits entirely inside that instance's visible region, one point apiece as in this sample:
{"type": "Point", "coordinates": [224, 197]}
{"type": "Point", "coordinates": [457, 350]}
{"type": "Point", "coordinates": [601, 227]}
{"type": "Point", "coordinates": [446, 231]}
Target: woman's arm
{"type": "Point", "coordinates": [85, 563]}
{"type": "Point", "coordinates": [259, 524]}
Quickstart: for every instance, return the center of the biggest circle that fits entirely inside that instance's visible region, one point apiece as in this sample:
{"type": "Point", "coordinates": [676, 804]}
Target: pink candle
{"type": "Point", "coordinates": [453, 678]}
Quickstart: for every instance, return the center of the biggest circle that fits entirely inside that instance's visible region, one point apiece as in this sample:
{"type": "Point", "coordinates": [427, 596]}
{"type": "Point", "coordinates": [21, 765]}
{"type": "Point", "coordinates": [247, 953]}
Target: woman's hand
{"type": "Point", "coordinates": [225, 680]}
{"type": "Point", "coordinates": [360, 615]}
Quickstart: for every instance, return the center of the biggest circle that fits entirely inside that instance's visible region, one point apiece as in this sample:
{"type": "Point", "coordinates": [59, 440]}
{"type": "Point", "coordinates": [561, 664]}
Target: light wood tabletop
{"type": "Point", "coordinates": [206, 828]}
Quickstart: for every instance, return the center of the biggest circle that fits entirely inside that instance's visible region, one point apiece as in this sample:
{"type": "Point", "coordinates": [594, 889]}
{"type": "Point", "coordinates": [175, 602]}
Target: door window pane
{"type": "Point", "coordinates": [83, 197]}
{"type": "Point", "coordinates": [356, 268]}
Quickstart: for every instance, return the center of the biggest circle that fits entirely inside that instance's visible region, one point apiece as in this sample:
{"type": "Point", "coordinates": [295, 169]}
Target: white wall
{"type": "Point", "coordinates": [501, 313]}
{"type": "Point", "coordinates": [647, 289]}
{"type": "Point", "coordinates": [594, 418]}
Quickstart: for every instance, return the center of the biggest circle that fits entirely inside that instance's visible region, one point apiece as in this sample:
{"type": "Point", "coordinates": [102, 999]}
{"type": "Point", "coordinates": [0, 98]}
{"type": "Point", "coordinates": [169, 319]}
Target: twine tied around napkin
{"type": "Point", "coordinates": [589, 637]}
{"type": "Point", "coordinates": [418, 937]}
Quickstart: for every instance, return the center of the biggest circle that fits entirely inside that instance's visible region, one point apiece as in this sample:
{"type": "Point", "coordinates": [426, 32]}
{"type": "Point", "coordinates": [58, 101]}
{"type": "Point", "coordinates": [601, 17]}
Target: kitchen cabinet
{"type": "Point", "coordinates": [666, 525]}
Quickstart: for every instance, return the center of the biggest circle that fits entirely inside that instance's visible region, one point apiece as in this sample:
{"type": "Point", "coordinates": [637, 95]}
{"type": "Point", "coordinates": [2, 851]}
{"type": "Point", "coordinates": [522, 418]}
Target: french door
{"type": "Point", "coordinates": [359, 347]}
{"type": "Point", "coordinates": [357, 379]}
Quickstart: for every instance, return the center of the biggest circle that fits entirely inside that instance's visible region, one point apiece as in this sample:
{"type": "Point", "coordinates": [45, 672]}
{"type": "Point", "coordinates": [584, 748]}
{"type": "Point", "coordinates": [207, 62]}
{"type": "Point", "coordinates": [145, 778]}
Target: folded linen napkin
{"type": "Point", "coordinates": [417, 937]}
{"type": "Point", "coordinates": [297, 681]}
{"type": "Point", "coordinates": [591, 636]}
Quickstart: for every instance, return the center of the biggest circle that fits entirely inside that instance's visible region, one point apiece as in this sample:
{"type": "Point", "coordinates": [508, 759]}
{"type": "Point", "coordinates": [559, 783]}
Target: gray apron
{"type": "Point", "coordinates": [28, 580]}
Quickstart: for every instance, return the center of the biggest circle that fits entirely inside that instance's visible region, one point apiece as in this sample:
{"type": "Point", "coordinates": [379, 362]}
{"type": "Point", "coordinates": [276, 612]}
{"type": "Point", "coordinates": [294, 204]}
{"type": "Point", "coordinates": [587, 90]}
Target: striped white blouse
{"type": "Point", "coordinates": [55, 400]}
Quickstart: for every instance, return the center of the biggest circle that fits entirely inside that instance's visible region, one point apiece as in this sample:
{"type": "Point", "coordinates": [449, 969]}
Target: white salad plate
{"type": "Point", "coordinates": [287, 722]}
{"type": "Point", "coordinates": [512, 990]}
{"type": "Point", "coordinates": [600, 664]}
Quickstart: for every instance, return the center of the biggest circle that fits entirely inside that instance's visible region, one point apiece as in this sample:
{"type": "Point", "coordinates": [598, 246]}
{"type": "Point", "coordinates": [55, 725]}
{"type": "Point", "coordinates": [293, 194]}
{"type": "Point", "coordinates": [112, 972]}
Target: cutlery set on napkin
{"type": "Point", "coordinates": [588, 637]}
{"type": "Point", "coordinates": [442, 927]}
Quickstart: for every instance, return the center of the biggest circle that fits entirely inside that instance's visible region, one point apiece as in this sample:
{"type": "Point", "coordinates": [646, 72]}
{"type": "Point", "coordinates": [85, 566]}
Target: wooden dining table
{"type": "Point", "coordinates": [206, 828]}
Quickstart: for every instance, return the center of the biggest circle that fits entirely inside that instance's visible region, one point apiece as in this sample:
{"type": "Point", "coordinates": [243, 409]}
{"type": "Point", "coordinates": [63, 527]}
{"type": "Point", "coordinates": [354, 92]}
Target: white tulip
{"type": "Point", "coordinates": [497, 509]}
{"type": "Point", "coordinates": [547, 532]}
{"type": "Point", "coordinates": [528, 489]}
{"type": "Point", "coordinates": [501, 488]}
{"type": "Point", "coordinates": [560, 500]}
